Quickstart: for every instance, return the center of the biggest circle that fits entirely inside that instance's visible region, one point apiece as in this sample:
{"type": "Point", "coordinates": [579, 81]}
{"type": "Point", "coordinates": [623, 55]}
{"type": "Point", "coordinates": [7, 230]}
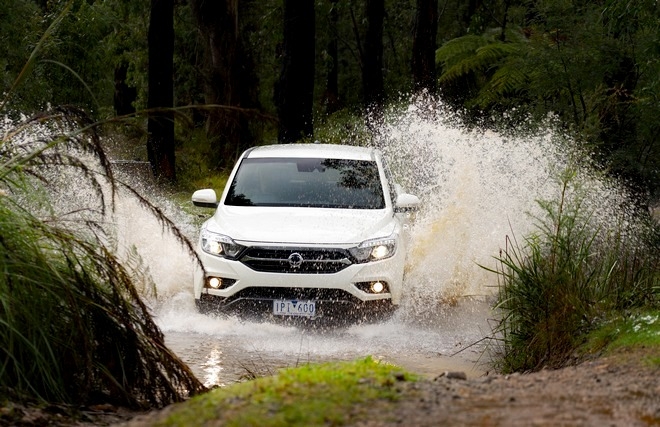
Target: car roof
{"type": "Point", "coordinates": [326, 151]}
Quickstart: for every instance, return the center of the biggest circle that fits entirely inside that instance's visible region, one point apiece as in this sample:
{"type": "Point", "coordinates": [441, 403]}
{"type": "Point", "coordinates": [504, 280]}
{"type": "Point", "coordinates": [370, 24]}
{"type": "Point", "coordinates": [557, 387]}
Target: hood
{"type": "Point", "coordinates": [301, 225]}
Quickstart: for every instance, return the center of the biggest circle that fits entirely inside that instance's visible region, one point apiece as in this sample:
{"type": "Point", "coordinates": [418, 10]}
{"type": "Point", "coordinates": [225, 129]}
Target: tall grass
{"type": "Point", "coordinates": [73, 327]}
{"type": "Point", "coordinates": [558, 283]}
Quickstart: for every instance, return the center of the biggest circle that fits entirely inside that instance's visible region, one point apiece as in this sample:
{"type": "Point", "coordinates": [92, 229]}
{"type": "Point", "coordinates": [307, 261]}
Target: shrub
{"type": "Point", "coordinates": [558, 283]}
{"type": "Point", "coordinates": [74, 329]}
{"type": "Point", "coordinates": [72, 326]}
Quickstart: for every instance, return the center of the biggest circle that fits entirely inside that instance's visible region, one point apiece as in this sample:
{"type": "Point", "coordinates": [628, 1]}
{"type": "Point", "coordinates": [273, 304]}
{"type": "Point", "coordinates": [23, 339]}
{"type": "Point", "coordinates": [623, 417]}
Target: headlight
{"type": "Point", "coordinates": [374, 250]}
{"type": "Point", "coordinates": [220, 245]}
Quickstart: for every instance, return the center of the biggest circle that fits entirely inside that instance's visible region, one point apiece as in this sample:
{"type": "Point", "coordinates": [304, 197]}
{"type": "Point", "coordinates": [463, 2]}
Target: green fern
{"type": "Point", "coordinates": [508, 79]}
{"type": "Point", "coordinates": [457, 51]}
{"type": "Point", "coordinates": [495, 63]}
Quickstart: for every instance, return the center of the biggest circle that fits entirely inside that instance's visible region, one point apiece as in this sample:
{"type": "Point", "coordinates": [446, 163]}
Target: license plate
{"type": "Point", "coordinates": [288, 307]}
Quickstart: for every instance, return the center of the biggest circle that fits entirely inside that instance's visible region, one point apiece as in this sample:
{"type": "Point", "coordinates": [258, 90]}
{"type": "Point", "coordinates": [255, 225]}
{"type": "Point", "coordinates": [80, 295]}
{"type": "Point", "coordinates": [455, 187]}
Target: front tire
{"type": "Point", "coordinates": [208, 304]}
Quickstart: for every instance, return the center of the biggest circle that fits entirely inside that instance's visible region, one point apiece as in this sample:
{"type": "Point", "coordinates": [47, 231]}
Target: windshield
{"type": "Point", "coordinates": [307, 182]}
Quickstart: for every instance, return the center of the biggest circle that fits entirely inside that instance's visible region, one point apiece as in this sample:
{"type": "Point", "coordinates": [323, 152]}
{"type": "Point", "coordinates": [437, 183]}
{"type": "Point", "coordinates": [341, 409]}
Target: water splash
{"type": "Point", "coordinates": [169, 263]}
{"type": "Point", "coordinates": [477, 188]}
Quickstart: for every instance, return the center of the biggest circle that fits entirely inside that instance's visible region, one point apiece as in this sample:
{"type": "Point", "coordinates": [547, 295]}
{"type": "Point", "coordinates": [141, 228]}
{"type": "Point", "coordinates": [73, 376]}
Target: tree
{"type": "Point", "coordinates": [294, 93]}
{"type": "Point", "coordinates": [160, 127]}
{"type": "Point", "coordinates": [124, 44]}
{"type": "Point", "coordinates": [586, 65]}
{"type": "Point", "coordinates": [125, 95]}
{"type": "Point", "coordinates": [331, 95]}
{"type": "Point", "coordinates": [425, 31]}
{"type": "Point", "coordinates": [372, 71]}
{"type": "Point", "coordinates": [230, 84]}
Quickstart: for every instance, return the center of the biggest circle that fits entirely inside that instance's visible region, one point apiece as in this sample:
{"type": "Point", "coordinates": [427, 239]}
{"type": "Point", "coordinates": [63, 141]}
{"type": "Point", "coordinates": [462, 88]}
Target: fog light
{"type": "Point", "coordinates": [218, 283]}
{"type": "Point", "coordinates": [377, 287]}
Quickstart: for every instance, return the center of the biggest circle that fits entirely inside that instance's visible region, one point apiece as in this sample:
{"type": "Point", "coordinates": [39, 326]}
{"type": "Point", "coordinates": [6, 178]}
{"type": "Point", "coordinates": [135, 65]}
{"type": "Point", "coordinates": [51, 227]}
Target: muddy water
{"type": "Point", "coordinates": [222, 350]}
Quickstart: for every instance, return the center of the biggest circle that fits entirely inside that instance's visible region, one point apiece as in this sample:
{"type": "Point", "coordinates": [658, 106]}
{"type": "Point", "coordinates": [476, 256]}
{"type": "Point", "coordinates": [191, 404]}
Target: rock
{"type": "Point", "coordinates": [399, 376]}
{"type": "Point", "coordinates": [453, 375]}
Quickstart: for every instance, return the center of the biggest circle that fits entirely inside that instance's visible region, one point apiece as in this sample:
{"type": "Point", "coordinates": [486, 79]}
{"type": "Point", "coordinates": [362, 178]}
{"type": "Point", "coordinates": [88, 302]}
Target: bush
{"type": "Point", "coordinates": [557, 284]}
{"type": "Point", "coordinates": [72, 326]}
{"type": "Point", "coordinates": [74, 329]}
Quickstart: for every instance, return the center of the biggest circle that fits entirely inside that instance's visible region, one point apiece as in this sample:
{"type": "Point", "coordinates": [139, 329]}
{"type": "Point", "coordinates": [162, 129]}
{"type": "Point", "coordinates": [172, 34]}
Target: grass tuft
{"type": "Point", "coordinates": [73, 328]}
{"type": "Point", "coordinates": [312, 395]}
{"type": "Point", "coordinates": [638, 328]}
{"type": "Point", "coordinates": [563, 281]}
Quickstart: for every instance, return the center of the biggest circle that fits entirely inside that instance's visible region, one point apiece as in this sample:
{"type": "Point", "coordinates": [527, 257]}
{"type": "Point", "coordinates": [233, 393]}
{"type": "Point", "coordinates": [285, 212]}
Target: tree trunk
{"type": "Point", "coordinates": [331, 96]}
{"type": "Point", "coordinates": [124, 95]}
{"type": "Point", "coordinates": [472, 7]}
{"type": "Point", "coordinates": [160, 139]}
{"type": "Point", "coordinates": [230, 82]}
{"type": "Point", "coordinates": [372, 72]}
{"type": "Point", "coordinates": [618, 125]}
{"type": "Point", "coordinates": [424, 46]}
{"type": "Point", "coordinates": [294, 93]}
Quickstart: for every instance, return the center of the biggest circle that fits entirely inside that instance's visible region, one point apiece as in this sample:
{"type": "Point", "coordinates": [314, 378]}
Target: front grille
{"type": "Point", "coordinates": [296, 260]}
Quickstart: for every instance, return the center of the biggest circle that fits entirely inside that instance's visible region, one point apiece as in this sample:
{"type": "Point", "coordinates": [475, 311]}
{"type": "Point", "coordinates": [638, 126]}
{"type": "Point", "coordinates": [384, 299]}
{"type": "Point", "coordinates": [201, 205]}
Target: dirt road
{"type": "Point", "coordinates": [619, 390]}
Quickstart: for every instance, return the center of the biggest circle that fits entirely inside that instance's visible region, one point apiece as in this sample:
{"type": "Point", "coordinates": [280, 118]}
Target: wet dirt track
{"type": "Point", "coordinates": [221, 350]}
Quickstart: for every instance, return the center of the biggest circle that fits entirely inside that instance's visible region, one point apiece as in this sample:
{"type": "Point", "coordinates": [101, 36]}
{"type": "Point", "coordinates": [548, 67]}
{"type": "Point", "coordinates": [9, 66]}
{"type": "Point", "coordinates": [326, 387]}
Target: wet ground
{"type": "Point", "coordinates": [619, 390]}
{"type": "Point", "coordinates": [221, 350]}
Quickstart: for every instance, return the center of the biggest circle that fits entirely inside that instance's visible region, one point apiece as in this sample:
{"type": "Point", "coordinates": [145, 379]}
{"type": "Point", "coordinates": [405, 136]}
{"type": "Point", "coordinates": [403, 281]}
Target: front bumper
{"type": "Point", "coordinates": [341, 287]}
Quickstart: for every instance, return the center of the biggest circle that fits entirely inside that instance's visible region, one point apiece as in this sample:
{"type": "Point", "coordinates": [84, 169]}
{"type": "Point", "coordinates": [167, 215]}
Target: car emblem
{"type": "Point", "coordinates": [295, 260]}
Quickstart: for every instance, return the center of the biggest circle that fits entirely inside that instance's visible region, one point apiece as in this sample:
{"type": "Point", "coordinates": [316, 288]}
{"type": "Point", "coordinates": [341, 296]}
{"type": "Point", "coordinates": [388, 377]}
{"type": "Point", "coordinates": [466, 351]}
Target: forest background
{"type": "Point", "coordinates": [196, 82]}
{"type": "Point", "coordinates": [185, 87]}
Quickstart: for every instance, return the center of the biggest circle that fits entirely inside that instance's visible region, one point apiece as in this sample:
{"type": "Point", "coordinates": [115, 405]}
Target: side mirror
{"type": "Point", "coordinates": [205, 198]}
{"type": "Point", "coordinates": [407, 203]}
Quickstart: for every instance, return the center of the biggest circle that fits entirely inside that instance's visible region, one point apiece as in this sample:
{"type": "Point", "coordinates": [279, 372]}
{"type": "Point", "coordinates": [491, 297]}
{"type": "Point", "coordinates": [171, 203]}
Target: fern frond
{"type": "Point", "coordinates": [508, 79]}
{"type": "Point", "coordinates": [461, 69]}
{"type": "Point", "coordinates": [491, 54]}
{"type": "Point", "coordinates": [486, 57]}
{"type": "Point", "coordinates": [456, 50]}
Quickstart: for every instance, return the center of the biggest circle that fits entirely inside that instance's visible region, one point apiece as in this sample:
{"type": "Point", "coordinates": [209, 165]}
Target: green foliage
{"type": "Point", "coordinates": [638, 328]}
{"type": "Point", "coordinates": [492, 64]}
{"type": "Point", "coordinates": [557, 284]}
{"type": "Point", "coordinates": [74, 328]}
{"type": "Point", "coordinates": [19, 33]}
{"type": "Point", "coordinates": [310, 395]}
{"type": "Point", "coordinates": [261, 24]}
{"type": "Point", "coordinates": [592, 66]}
{"type": "Point", "coordinates": [342, 127]}
{"type": "Point", "coordinates": [195, 170]}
